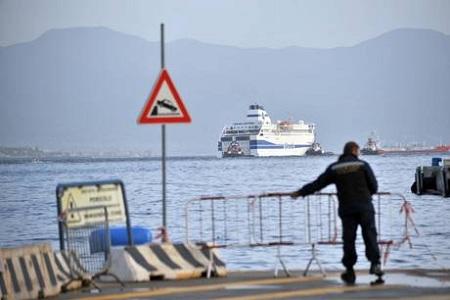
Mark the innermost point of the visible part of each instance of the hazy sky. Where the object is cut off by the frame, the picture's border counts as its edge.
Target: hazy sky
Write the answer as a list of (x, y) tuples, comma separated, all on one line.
[(245, 23)]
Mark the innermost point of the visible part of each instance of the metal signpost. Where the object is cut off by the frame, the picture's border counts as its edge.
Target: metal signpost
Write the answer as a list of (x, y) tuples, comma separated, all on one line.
[(164, 106)]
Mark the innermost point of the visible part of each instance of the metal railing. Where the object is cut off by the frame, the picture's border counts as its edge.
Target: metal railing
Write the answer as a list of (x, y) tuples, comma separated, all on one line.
[(274, 219), (88, 243)]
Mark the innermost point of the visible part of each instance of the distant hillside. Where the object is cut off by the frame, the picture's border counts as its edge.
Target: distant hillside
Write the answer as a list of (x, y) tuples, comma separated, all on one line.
[(83, 88)]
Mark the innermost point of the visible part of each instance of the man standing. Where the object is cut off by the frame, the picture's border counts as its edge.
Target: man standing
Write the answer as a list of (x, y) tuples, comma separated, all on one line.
[(355, 184)]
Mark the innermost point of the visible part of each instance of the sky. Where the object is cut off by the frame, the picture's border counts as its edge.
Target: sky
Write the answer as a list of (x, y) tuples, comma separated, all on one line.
[(242, 23)]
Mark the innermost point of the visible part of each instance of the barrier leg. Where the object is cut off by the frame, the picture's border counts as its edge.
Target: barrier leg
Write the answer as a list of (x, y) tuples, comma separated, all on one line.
[(76, 272), (280, 260), (107, 273), (210, 264), (314, 258)]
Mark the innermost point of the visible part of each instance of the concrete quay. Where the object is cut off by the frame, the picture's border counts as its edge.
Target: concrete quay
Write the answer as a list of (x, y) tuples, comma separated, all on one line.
[(408, 284)]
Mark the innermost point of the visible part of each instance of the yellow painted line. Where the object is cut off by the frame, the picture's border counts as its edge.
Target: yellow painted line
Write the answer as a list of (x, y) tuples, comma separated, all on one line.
[(201, 288), (306, 292), (423, 297)]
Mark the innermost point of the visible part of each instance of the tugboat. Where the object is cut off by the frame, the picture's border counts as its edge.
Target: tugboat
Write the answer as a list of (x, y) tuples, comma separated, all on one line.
[(317, 150), (234, 150)]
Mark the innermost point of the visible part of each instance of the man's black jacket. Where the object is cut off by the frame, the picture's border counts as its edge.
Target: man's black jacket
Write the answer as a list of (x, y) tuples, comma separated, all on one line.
[(355, 184)]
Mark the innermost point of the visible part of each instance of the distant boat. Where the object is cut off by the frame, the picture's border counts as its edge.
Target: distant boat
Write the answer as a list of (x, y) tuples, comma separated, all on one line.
[(372, 148), (416, 149), (258, 136), (233, 150), (317, 150)]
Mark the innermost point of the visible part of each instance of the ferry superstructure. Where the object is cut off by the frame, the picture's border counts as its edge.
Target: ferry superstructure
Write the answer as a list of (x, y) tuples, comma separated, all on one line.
[(258, 136)]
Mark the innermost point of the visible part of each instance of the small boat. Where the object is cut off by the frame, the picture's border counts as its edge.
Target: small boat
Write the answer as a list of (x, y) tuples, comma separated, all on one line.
[(233, 150), (371, 147), (317, 150)]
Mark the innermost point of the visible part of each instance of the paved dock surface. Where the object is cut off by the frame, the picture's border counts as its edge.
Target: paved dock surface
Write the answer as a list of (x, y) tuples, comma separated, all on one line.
[(400, 284)]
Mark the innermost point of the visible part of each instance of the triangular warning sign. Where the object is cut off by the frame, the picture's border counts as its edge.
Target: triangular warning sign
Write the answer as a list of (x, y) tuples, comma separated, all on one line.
[(73, 217), (164, 104)]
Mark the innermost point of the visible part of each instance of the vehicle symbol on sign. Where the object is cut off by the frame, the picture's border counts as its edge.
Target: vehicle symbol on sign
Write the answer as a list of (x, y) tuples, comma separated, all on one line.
[(167, 104), (164, 104)]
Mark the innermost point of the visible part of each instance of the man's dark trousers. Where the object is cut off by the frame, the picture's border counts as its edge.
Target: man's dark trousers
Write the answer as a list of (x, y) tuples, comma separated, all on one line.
[(350, 222)]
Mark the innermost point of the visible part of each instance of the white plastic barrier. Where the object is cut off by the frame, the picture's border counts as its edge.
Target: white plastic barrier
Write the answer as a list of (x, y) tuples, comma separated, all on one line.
[(165, 261), (28, 272), (70, 273)]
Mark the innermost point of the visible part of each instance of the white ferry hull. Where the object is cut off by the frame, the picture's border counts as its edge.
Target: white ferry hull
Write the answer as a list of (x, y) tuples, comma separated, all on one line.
[(264, 147), (276, 147), (280, 152)]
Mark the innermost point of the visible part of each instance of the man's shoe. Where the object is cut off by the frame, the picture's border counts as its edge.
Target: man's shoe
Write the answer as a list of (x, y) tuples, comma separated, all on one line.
[(375, 269), (348, 277)]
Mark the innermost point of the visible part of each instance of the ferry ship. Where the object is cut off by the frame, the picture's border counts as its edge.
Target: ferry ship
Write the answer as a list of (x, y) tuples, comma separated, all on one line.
[(258, 136)]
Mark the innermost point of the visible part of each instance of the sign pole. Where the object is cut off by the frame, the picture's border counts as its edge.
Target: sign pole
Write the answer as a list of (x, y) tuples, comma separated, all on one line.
[(163, 145), (164, 106)]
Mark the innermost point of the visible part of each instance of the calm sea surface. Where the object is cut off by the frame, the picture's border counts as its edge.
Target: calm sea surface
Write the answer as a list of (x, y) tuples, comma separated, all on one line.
[(28, 202)]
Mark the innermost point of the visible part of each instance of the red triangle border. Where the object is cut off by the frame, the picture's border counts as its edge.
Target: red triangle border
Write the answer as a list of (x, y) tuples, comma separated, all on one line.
[(145, 119)]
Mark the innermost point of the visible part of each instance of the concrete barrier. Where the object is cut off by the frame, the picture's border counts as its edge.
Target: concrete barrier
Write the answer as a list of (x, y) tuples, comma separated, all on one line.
[(164, 261), (126, 267), (208, 256), (28, 272), (3, 290), (70, 274), (182, 267)]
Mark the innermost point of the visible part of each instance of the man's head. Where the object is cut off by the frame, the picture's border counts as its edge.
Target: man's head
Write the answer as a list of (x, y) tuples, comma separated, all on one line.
[(351, 148)]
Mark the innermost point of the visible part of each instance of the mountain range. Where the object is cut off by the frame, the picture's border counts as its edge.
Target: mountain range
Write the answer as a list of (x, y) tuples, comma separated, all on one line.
[(83, 89)]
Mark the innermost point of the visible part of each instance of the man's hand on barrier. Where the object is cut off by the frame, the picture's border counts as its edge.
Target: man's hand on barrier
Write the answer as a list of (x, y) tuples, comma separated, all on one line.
[(296, 194)]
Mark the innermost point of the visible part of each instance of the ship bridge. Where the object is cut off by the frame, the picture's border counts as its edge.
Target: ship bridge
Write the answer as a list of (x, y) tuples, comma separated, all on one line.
[(257, 114)]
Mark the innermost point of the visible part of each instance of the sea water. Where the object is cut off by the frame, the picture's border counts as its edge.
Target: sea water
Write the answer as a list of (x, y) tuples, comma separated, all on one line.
[(28, 211)]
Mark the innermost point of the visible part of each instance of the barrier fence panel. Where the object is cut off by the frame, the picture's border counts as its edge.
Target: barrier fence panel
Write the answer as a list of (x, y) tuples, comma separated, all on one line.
[(88, 243), (275, 219), (85, 211), (261, 220), (110, 193)]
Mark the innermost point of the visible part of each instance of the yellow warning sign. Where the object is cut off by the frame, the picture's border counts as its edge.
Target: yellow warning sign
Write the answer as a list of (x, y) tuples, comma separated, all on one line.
[(78, 204)]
